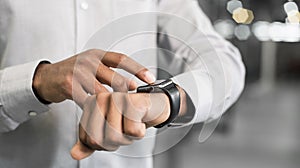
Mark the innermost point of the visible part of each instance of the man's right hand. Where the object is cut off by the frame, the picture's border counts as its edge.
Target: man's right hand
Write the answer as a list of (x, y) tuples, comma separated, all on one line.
[(83, 74)]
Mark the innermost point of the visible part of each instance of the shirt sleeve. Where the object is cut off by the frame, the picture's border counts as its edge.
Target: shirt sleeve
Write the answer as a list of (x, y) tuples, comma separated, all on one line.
[(205, 65), (17, 99)]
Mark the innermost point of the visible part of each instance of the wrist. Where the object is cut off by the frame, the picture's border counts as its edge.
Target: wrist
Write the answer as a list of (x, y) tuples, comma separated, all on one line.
[(163, 117), (37, 82), (165, 110), (170, 90), (159, 109)]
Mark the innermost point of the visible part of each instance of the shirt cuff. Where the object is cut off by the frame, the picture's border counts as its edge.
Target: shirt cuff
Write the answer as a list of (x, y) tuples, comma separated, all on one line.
[(198, 88), (17, 97)]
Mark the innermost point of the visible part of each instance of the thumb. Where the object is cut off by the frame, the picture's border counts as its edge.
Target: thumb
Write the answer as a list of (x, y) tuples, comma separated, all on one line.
[(80, 151)]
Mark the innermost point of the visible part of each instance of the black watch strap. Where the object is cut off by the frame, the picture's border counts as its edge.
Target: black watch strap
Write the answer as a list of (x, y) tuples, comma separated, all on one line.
[(171, 90)]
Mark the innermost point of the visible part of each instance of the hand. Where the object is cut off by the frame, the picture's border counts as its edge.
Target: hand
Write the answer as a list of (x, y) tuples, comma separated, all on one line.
[(85, 73), (111, 120)]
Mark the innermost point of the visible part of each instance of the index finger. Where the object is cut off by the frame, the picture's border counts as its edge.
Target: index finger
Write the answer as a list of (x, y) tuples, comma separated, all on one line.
[(117, 60)]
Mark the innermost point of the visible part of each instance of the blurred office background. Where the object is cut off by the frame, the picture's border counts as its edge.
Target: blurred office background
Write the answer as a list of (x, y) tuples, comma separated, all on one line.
[(262, 129)]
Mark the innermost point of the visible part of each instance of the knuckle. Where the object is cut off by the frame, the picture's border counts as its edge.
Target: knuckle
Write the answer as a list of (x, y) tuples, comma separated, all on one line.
[(121, 58), (80, 60), (100, 96), (93, 51), (112, 149), (103, 96), (94, 144), (98, 87), (113, 139), (109, 146), (101, 69), (68, 85), (119, 84), (137, 133)]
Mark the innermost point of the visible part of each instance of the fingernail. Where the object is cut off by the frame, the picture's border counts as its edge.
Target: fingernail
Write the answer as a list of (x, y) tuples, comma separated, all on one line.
[(150, 77)]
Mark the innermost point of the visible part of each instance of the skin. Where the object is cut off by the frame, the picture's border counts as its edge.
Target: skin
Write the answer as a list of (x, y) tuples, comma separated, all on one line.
[(109, 120), (85, 73)]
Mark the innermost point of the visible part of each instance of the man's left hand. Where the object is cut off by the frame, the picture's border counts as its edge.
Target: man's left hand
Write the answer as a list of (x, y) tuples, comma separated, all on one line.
[(111, 120)]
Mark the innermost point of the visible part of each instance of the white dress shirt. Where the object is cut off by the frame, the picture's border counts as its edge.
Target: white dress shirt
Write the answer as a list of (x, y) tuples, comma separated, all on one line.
[(172, 35)]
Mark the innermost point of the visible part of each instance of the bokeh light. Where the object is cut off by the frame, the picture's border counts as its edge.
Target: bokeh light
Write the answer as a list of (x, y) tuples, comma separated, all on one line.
[(290, 7), (261, 30), (293, 17), (292, 33), (277, 31), (225, 28), (242, 32), (243, 16), (233, 5)]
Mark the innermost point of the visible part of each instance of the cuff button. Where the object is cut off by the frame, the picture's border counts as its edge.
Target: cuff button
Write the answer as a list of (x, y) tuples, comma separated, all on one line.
[(32, 113)]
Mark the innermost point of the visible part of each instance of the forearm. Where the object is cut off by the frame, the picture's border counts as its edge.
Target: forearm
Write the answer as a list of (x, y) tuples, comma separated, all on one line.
[(211, 95), (206, 66)]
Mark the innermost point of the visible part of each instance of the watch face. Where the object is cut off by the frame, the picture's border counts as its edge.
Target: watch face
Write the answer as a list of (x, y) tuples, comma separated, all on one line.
[(158, 81), (156, 87), (165, 83)]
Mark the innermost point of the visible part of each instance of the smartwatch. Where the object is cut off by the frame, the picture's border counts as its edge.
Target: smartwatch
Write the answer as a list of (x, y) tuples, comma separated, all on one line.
[(170, 89)]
